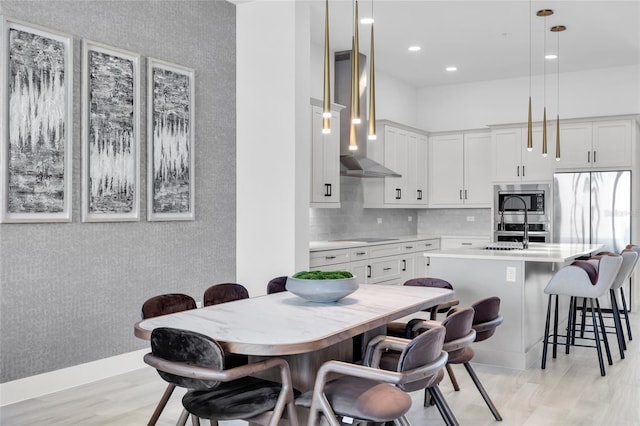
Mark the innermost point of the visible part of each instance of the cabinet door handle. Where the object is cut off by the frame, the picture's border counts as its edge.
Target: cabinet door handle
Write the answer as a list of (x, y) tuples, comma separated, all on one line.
[(361, 253), (465, 194), (588, 156), (386, 269), (408, 247), (594, 156), (398, 193), (461, 194), (404, 265), (523, 171), (428, 244), (518, 171), (419, 194), (329, 257), (368, 271), (327, 190), (467, 244)]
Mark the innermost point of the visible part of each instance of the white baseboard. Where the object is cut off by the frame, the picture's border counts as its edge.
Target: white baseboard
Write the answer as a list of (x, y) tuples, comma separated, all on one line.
[(54, 381)]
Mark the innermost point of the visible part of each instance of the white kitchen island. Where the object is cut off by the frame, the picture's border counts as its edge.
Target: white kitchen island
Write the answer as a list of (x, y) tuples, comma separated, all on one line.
[(518, 277)]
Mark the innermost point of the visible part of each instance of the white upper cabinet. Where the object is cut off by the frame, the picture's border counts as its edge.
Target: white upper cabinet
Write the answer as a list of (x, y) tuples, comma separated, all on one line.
[(596, 144), (325, 159), (405, 151), (512, 162), (459, 170)]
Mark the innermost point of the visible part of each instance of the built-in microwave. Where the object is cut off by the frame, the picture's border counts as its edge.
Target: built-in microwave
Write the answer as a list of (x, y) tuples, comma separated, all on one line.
[(510, 202)]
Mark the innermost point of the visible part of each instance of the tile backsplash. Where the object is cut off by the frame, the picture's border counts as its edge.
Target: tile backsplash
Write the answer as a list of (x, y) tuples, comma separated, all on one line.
[(352, 220)]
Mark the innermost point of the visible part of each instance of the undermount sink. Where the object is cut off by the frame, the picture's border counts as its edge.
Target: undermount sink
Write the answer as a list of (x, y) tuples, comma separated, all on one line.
[(366, 240)]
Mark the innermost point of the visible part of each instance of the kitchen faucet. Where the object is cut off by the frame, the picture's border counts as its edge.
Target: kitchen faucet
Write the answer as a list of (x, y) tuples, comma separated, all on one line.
[(525, 237)]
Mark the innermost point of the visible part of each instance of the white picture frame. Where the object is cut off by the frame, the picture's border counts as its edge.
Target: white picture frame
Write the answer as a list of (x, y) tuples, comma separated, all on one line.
[(110, 133), (36, 88), (170, 141)]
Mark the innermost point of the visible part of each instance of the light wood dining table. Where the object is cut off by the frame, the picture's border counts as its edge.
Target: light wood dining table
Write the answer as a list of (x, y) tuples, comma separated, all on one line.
[(305, 333)]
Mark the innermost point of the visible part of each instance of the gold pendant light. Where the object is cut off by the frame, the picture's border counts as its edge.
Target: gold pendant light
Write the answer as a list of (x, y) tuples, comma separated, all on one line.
[(372, 90), (326, 99), (558, 29), (544, 13), (355, 69), (529, 119)]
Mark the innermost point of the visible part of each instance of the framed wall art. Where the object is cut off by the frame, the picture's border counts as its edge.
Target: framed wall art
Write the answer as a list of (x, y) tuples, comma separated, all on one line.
[(36, 122), (170, 133), (110, 134)]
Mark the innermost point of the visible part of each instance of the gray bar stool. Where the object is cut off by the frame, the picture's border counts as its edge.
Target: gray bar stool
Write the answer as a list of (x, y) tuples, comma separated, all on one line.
[(588, 279)]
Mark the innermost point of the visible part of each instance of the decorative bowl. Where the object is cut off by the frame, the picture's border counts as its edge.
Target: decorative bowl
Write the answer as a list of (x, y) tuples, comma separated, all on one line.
[(322, 291)]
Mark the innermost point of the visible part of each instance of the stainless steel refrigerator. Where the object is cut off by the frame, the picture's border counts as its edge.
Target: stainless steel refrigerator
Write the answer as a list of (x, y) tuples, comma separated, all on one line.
[(593, 207)]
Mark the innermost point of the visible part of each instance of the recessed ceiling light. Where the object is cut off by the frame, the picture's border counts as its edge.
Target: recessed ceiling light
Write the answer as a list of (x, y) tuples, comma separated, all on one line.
[(367, 21), (452, 69), (414, 48), (551, 56)]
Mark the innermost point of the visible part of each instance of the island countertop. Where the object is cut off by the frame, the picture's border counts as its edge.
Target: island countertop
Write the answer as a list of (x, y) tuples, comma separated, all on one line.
[(537, 252)]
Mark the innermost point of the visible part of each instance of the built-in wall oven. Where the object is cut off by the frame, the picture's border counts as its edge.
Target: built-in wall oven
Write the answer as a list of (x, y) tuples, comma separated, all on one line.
[(509, 204)]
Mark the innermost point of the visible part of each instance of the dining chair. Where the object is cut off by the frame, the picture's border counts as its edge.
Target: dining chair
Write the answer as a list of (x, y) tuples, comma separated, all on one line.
[(277, 285), (162, 305), (485, 319), (370, 393), (196, 362), (399, 328), (223, 293)]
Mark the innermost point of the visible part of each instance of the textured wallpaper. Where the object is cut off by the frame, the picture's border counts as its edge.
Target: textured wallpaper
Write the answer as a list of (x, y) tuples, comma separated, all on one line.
[(71, 292)]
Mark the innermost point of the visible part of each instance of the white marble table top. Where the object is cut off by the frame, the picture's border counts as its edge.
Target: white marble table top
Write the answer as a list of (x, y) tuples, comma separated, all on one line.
[(284, 324), (537, 252)]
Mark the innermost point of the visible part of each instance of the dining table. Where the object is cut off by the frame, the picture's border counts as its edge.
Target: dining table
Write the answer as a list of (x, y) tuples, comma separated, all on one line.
[(305, 333)]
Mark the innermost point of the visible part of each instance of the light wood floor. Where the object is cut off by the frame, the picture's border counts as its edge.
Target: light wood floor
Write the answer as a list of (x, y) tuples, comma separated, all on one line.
[(569, 392)]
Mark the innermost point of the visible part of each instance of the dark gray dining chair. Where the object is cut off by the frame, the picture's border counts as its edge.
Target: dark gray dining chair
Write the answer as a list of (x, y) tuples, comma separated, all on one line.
[(165, 304), (196, 362)]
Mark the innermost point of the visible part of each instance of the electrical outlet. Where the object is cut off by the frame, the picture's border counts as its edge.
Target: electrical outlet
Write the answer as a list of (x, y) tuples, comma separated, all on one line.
[(379, 220), (198, 304), (511, 274), (410, 218), (471, 218)]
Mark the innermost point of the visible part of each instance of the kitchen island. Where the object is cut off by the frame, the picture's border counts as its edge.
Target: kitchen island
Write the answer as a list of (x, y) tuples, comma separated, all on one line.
[(518, 277)]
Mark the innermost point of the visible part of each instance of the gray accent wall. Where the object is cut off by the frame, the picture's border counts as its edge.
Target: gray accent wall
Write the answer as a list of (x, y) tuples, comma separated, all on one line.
[(70, 293)]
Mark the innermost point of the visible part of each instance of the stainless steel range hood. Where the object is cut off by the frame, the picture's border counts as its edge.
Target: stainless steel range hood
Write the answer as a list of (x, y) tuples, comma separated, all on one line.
[(354, 163)]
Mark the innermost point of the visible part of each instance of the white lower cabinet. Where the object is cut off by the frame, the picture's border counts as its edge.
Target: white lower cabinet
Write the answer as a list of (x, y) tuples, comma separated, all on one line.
[(392, 263), (466, 241)]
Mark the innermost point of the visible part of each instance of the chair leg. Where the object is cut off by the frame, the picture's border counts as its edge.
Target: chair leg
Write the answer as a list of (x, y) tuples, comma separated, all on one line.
[(195, 421), (597, 339), (444, 409), (571, 325), (545, 339), (452, 377), (161, 404), (622, 346), (626, 313), (555, 329), (483, 392), (182, 420), (584, 317), (604, 333)]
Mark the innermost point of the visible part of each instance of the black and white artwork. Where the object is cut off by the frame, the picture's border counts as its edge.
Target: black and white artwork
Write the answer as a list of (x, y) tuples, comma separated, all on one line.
[(110, 134), (170, 132), (36, 159)]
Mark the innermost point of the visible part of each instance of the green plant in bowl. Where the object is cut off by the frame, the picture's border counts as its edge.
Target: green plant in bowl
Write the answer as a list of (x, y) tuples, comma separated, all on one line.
[(322, 286)]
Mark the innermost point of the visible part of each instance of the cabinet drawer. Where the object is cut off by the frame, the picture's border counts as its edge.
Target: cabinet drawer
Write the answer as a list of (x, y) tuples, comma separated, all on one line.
[(427, 245), (386, 250), (328, 257), (359, 253), (384, 270)]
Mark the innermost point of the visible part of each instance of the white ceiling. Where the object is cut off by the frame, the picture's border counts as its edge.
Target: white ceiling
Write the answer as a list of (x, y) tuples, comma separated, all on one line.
[(486, 40)]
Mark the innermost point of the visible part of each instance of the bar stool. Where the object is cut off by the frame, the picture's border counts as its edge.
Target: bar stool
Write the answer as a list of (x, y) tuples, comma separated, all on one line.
[(589, 279), (625, 310)]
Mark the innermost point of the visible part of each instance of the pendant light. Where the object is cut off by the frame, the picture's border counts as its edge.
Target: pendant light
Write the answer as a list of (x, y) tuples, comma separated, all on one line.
[(372, 89), (558, 29), (529, 119), (326, 99), (355, 69), (544, 13)]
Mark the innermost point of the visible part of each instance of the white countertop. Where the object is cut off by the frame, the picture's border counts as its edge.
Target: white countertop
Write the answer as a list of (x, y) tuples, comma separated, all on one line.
[(342, 244), (537, 252)]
